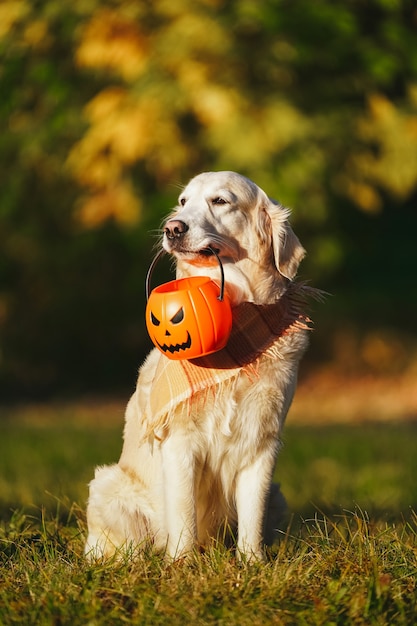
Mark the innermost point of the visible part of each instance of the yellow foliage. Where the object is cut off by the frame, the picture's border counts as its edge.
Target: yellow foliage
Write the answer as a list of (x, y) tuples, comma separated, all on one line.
[(393, 166), (412, 93), (213, 104), (106, 103), (122, 131), (92, 168), (170, 9), (181, 58), (114, 202), (364, 196), (188, 72), (283, 124), (249, 137), (12, 12), (188, 33), (112, 42), (36, 34), (381, 109), (390, 161), (119, 135)]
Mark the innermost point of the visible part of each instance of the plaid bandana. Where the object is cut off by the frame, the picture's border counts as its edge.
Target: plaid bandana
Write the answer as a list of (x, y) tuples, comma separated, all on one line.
[(256, 330)]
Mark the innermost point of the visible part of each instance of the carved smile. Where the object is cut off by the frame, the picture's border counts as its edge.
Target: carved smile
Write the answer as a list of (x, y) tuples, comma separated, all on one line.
[(177, 347)]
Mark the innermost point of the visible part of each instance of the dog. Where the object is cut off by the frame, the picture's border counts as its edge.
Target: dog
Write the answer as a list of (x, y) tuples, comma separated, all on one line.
[(207, 467)]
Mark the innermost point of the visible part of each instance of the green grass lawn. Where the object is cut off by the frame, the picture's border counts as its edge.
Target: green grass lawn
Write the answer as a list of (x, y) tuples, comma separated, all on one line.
[(348, 555)]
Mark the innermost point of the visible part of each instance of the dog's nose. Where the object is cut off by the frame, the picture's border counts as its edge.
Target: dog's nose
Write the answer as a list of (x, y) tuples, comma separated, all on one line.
[(175, 229)]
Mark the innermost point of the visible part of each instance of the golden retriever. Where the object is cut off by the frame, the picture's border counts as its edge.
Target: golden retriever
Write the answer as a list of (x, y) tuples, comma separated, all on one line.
[(209, 467)]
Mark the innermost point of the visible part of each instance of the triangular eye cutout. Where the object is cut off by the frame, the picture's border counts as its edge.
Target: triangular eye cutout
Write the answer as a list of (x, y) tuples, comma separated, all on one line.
[(155, 321), (178, 317)]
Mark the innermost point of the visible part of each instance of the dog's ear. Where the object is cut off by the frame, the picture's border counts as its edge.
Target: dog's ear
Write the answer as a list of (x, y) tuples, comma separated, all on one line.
[(287, 249)]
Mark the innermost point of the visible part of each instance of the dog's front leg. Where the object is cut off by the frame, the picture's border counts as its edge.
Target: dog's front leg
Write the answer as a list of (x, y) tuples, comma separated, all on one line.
[(180, 511), (252, 489)]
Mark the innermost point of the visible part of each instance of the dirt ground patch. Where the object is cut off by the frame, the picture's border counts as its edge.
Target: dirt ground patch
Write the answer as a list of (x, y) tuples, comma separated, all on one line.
[(321, 398), (332, 398)]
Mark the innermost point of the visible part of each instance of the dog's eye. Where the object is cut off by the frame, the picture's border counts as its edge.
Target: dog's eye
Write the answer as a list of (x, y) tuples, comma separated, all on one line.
[(178, 317), (219, 200), (182, 201)]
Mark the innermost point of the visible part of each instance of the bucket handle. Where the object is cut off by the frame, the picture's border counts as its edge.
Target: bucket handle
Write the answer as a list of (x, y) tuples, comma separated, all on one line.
[(161, 253)]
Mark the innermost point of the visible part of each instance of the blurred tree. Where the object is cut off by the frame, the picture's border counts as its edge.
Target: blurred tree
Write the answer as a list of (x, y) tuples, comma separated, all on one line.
[(63, 291), (314, 101), (108, 105)]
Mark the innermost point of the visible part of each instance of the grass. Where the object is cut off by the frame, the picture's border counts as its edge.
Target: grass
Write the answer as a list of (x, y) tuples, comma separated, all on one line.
[(348, 555)]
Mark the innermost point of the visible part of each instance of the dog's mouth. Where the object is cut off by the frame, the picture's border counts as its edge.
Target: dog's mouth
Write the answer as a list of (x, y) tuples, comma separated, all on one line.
[(195, 256), (205, 256), (209, 251)]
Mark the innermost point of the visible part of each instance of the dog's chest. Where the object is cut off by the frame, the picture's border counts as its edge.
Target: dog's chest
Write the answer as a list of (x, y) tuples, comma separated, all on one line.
[(231, 433)]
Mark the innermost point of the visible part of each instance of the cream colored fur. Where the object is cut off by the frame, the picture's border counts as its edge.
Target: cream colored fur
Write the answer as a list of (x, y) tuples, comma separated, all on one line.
[(213, 466)]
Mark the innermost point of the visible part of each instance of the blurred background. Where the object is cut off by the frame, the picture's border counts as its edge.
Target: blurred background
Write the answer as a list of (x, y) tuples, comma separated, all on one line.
[(108, 106)]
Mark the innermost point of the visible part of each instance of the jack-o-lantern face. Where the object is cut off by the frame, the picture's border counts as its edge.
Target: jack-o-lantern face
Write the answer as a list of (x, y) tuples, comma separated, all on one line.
[(185, 319), (173, 323)]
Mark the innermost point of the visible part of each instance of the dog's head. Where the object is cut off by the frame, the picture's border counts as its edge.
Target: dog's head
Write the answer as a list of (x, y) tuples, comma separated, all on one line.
[(228, 213)]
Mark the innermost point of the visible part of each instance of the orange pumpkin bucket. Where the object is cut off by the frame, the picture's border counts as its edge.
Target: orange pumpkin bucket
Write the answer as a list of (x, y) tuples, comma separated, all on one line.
[(188, 317)]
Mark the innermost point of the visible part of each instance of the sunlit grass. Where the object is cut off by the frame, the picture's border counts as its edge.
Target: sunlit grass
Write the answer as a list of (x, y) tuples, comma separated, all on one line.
[(349, 570), (50, 453), (348, 554), (372, 465)]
